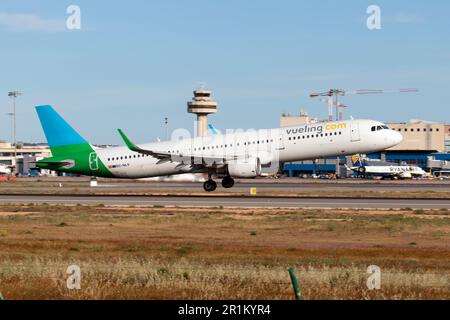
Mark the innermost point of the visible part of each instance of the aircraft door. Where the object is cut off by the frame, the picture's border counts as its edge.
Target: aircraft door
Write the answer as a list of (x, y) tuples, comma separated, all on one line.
[(246, 147), (280, 142), (354, 132)]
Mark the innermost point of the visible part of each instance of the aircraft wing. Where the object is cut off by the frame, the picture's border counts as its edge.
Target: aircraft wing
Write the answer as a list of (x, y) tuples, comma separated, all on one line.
[(405, 175), (187, 159), (350, 168)]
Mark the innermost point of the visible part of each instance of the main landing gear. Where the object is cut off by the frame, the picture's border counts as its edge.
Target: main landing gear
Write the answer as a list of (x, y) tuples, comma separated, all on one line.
[(228, 182), (210, 185)]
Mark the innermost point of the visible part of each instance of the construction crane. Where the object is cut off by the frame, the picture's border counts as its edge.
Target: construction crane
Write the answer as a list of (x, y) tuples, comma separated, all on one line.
[(334, 94), (331, 103)]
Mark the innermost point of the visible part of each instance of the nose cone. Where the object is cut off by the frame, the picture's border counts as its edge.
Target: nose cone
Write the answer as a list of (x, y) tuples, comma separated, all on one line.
[(397, 137), (393, 138)]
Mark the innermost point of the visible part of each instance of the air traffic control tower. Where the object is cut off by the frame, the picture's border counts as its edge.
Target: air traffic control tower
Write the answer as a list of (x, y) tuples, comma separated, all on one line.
[(202, 105)]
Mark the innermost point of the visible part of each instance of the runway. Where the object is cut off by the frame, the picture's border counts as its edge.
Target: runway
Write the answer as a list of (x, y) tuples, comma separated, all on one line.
[(242, 185), (229, 201)]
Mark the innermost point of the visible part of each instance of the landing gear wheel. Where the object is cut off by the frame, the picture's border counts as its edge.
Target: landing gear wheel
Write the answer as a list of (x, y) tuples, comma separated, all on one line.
[(227, 182), (210, 186)]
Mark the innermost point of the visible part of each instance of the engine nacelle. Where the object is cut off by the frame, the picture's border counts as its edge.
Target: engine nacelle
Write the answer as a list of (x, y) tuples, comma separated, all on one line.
[(245, 168)]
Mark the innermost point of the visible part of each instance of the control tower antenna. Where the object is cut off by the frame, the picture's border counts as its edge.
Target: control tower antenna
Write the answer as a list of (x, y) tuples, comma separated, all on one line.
[(202, 105)]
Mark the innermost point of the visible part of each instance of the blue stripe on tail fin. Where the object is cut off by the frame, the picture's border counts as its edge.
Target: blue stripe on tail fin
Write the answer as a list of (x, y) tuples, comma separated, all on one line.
[(57, 131)]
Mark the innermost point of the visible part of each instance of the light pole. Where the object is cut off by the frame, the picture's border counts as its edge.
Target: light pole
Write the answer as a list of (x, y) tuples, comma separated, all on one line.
[(13, 95), (166, 122)]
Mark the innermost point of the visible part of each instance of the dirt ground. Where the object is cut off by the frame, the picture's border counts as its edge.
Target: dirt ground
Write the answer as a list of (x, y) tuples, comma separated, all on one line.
[(217, 253)]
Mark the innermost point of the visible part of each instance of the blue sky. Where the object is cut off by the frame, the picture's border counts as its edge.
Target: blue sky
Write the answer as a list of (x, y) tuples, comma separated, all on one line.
[(135, 62)]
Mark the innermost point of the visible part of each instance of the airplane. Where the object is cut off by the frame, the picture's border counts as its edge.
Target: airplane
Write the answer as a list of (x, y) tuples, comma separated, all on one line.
[(228, 156), (385, 170)]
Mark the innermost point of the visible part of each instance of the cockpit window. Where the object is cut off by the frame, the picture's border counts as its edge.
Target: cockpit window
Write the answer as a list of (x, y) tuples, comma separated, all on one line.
[(378, 128)]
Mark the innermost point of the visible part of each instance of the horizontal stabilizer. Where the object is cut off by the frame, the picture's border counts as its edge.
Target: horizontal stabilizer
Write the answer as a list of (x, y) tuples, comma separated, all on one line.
[(52, 164)]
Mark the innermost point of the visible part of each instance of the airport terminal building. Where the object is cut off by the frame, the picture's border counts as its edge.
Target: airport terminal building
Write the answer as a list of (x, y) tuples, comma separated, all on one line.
[(23, 156)]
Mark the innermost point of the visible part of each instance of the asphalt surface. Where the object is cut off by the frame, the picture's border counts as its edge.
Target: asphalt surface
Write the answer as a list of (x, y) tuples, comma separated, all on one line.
[(266, 185), (228, 201)]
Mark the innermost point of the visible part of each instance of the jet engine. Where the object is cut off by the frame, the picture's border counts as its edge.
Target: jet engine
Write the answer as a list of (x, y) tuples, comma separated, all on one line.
[(245, 168)]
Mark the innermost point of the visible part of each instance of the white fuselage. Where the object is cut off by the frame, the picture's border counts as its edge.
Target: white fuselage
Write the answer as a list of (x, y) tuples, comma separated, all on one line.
[(303, 142), (394, 171)]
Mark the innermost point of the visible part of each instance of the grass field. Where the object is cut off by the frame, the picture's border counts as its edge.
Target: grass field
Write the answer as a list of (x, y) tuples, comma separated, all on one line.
[(182, 253)]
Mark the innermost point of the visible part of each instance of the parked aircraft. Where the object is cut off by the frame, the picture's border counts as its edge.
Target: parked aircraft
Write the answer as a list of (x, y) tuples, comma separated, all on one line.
[(386, 170)]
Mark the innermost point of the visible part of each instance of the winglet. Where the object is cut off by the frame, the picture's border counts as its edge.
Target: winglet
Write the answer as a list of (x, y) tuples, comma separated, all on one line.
[(135, 148), (128, 142)]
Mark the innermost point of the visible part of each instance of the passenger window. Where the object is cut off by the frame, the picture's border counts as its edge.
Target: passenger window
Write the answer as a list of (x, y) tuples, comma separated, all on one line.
[(374, 128)]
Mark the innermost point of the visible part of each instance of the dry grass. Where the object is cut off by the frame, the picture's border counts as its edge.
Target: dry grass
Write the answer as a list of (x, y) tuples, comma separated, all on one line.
[(199, 192), (161, 253)]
